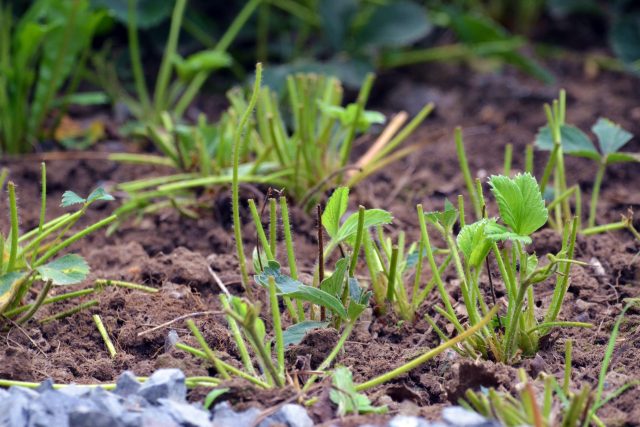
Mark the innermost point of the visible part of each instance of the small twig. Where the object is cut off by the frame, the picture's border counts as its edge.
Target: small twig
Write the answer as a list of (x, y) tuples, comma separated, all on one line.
[(177, 319), (323, 313), (326, 179), (387, 134), (216, 278)]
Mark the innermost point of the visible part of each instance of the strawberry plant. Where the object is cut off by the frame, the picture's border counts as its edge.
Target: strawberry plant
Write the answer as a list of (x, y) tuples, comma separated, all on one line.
[(34, 257), (522, 211)]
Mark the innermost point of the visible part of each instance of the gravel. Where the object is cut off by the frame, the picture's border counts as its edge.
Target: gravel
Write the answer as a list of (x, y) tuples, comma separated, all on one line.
[(162, 402)]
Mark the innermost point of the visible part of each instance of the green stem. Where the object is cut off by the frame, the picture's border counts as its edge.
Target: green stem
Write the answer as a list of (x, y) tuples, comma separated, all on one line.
[(391, 278), (273, 226), (466, 173), (407, 367), (69, 312), (65, 243), (358, 242), (277, 326), (345, 151), (237, 336), (37, 304), (105, 335), (237, 24), (262, 236), (620, 225), (331, 356), (127, 285), (508, 158), (57, 298), (211, 356), (595, 195), (43, 209), (167, 59), (136, 59), (13, 215), (235, 187)]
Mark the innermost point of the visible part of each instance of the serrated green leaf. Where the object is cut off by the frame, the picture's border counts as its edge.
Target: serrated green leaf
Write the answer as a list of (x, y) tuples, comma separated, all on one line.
[(295, 333), (349, 401), (333, 285), (347, 115), (474, 242), (622, 157), (99, 194), (9, 283), (70, 198), (574, 142), (68, 270), (611, 136), (499, 233), (335, 209), (372, 218), (520, 203), (287, 286), (446, 218)]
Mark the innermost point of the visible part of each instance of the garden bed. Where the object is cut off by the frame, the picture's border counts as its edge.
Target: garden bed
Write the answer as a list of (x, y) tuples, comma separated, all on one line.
[(172, 253)]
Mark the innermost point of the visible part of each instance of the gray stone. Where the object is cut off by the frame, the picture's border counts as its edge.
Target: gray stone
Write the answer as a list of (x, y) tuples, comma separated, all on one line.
[(22, 391), (127, 384), (290, 415), (152, 417), (185, 414), (14, 410), (225, 416), (88, 414), (76, 390), (408, 421), (457, 416), (45, 385), (165, 384), (51, 408), (106, 402)]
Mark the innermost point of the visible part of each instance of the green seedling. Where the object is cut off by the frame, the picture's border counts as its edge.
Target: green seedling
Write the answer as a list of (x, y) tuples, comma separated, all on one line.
[(522, 212), (348, 400), (304, 146), (558, 405), (179, 79), (33, 257), (559, 137), (43, 53)]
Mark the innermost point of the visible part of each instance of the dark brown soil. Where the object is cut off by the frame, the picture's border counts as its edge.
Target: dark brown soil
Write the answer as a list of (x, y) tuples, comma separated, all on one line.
[(171, 253)]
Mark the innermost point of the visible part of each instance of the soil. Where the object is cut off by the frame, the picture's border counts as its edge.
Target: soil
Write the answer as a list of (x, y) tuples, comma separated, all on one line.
[(173, 253)]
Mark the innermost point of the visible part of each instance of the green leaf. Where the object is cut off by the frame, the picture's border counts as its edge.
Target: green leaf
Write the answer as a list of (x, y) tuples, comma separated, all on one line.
[(574, 142), (372, 218), (295, 333), (99, 194), (149, 12), (9, 283), (347, 115), (395, 24), (474, 243), (335, 209), (213, 395), (205, 60), (70, 198), (337, 16), (292, 288), (625, 39), (358, 299), (349, 401), (446, 218), (611, 136), (68, 270), (622, 157), (333, 285), (498, 233), (520, 203)]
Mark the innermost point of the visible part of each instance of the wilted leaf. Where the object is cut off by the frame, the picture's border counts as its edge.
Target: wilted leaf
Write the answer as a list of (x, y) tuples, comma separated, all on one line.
[(9, 283), (68, 270)]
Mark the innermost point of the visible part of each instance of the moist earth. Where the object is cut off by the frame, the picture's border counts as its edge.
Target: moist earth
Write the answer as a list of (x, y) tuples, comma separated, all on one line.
[(173, 254)]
